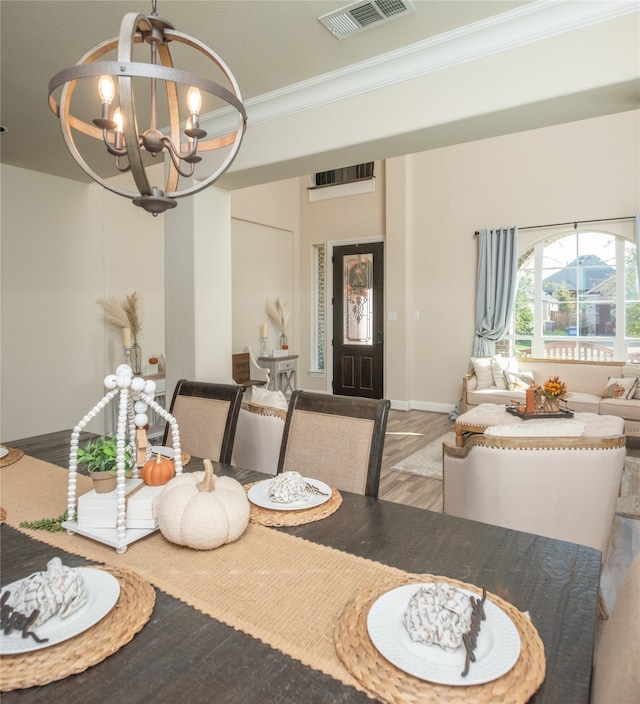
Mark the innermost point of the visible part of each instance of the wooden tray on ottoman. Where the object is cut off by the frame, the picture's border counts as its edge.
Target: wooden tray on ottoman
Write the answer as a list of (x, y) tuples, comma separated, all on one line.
[(562, 413)]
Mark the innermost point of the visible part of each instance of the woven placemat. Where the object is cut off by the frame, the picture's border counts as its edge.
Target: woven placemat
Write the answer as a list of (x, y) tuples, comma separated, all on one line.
[(269, 517), (132, 610), (12, 456), (389, 684)]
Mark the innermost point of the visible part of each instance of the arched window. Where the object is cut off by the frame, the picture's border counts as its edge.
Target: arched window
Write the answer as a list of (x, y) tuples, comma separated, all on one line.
[(577, 298)]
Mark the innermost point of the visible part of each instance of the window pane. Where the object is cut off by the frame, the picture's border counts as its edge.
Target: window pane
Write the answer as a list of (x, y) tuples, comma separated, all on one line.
[(522, 348), (559, 253), (358, 299), (523, 321), (631, 272), (632, 318)]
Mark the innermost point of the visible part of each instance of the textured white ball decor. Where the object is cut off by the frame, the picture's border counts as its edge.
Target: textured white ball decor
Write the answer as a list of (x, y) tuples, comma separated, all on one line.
[(110, 382), (137, 384)]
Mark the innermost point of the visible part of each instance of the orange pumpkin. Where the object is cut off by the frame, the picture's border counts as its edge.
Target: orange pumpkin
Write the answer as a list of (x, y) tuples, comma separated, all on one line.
[(157, 471)]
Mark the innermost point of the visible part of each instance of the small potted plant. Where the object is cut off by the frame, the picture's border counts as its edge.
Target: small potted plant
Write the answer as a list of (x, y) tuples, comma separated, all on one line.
[(99, 456)]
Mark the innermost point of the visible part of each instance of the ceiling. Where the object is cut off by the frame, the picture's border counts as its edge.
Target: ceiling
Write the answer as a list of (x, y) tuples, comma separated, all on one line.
[(268, 44)]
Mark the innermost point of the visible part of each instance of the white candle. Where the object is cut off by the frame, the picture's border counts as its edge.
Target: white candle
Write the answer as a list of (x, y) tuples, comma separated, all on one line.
[(263, 330), (126, 337)]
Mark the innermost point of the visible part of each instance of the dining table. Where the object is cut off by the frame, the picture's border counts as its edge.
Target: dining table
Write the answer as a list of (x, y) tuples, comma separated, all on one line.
[(184, 654)]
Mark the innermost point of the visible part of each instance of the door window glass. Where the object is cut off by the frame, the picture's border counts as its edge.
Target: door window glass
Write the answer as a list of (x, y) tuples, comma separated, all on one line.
[(358, 299)]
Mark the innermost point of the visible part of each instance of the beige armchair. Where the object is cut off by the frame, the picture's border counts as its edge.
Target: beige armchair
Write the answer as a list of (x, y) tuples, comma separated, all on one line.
[(258, 437), (557, 487)]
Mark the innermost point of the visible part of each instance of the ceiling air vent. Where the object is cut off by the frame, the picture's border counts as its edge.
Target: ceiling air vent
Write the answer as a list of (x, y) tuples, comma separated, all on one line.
[(363, 15)]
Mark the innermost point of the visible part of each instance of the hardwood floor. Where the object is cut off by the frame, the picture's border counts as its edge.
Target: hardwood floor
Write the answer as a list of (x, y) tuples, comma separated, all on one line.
[(408, 431)]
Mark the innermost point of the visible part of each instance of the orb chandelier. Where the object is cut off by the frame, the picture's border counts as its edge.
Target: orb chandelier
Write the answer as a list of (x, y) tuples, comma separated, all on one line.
[(113, 118)]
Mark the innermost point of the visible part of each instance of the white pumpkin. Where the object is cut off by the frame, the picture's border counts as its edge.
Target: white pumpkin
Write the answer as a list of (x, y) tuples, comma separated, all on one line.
[(203, 511)]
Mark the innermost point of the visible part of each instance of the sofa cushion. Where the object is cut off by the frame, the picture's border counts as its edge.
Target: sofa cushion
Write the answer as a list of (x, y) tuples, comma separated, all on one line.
[(620, 387), (519, 381), (628, 408), (482, 368), (587, 377), (502, 396), (581, 402)]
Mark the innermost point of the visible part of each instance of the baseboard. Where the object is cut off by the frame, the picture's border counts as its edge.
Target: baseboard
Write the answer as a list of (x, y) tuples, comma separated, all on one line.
[(422, 406)]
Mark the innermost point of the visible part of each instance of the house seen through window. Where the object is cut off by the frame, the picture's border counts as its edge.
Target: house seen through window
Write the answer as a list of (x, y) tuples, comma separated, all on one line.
[(577, 298)]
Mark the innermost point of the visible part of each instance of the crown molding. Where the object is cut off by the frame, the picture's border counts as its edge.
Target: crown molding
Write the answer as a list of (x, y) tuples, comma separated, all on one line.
[(524, 25)]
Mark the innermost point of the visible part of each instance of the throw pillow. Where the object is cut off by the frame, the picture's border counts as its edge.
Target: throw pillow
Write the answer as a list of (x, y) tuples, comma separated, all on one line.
[(482, 368), (630, 371), (519, 381), (620, 388), (500, 365)]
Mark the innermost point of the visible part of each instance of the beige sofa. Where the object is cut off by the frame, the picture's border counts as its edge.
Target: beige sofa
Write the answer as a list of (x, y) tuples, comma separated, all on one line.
[(586, 382)]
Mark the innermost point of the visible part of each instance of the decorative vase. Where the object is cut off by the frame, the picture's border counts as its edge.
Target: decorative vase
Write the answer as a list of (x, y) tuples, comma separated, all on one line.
[(284, 343), (103, 482), (551, 405), (136, 359)]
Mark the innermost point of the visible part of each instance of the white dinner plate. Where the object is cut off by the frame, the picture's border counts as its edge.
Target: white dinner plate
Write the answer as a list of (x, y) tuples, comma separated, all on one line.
[(497, 649), (259, 495), (3, 452), (103, 590)]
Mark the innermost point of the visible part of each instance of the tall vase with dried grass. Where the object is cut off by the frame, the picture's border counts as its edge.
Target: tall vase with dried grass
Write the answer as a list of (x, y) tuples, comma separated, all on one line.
[(126, 316), (279, 314)]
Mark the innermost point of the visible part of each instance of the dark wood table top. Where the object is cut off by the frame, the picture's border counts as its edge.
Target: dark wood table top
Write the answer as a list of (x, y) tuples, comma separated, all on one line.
[(182, 653)]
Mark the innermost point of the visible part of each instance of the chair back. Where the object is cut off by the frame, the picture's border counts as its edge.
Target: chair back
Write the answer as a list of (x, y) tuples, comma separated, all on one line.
[(258, 437), (558, 487), (337, 439), (616, 675), (207, 416)]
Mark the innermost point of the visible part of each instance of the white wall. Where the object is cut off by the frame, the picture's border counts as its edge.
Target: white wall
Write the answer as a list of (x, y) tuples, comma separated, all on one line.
[(265, 229), (64, 246), (262, 269)]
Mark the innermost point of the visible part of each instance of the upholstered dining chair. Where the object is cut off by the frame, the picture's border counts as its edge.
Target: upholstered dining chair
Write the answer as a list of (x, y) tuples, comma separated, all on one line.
[(207, 416), (337, 439), (616, 675)]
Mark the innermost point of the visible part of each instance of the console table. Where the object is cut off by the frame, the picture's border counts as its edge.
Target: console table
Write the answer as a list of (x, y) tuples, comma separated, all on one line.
[(283, 373)]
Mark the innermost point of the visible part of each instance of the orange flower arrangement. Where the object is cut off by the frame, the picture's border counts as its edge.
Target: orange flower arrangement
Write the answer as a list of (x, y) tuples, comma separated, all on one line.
[(554, 388)]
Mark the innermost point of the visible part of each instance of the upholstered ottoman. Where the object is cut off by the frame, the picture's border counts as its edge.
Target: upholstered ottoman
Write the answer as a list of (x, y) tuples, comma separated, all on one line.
[(495, 416)]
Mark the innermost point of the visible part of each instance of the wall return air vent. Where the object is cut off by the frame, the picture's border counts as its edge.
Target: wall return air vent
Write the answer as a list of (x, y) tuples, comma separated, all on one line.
[(364, 15)]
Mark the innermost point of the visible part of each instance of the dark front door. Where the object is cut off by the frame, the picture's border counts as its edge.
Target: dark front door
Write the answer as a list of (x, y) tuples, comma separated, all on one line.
[(358, 320)]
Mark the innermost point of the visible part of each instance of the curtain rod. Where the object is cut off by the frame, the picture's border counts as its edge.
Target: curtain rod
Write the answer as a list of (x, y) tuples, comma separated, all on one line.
[(575, 223)]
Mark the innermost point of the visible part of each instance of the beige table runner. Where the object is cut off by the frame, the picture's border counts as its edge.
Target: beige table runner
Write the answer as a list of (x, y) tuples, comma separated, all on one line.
[(283, 590)]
